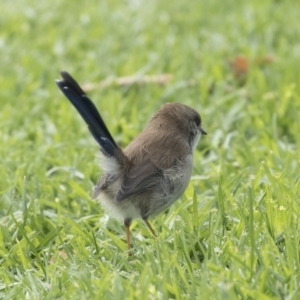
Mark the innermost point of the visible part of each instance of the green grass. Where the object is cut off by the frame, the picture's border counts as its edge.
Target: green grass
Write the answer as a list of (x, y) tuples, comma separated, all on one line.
[(235, 232)]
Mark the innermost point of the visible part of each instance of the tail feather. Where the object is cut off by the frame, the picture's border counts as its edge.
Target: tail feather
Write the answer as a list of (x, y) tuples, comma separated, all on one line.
[(88, 111)]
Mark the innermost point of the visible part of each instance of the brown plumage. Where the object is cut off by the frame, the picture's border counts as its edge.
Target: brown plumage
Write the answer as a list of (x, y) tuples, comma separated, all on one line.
[(153, 170)]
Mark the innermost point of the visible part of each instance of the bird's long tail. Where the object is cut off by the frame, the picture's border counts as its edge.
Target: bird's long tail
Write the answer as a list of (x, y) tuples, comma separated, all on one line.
[(89, 113)]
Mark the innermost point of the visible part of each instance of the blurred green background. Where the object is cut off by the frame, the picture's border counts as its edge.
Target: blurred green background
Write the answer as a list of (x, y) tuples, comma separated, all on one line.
[(235, 232)]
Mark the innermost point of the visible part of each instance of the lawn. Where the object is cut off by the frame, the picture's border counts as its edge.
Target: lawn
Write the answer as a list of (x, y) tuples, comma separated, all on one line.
[(234, 234)]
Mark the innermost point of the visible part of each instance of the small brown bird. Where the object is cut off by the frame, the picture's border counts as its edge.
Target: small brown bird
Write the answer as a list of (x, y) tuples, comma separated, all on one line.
[(153, 171)]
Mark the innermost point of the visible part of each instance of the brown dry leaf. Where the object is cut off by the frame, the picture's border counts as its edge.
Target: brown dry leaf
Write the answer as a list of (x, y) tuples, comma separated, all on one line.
[(239, 67), (63, 255)]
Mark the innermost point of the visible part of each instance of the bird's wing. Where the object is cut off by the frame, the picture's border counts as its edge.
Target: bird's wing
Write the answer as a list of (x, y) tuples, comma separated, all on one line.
[(139, 178)]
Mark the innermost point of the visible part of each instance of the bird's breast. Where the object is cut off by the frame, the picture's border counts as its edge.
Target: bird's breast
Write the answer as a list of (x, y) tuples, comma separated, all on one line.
[(176, 178), (173, 184)]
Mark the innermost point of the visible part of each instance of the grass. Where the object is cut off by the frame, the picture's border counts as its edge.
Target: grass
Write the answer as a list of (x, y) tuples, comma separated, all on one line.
[(235, 232)]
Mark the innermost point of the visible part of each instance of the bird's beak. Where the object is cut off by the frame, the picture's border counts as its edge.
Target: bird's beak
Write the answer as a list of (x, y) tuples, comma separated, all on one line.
[(203, 131)]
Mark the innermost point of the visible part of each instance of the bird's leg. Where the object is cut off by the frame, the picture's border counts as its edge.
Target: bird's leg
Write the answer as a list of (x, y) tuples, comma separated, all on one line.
[(127, 223), (128, 237), (150, 227)]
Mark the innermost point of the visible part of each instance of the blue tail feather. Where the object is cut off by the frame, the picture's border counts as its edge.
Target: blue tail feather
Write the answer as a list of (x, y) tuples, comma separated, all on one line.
[(88, 111)]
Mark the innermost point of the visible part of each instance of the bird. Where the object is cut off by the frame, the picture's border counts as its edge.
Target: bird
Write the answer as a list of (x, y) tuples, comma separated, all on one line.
[(153, 171)]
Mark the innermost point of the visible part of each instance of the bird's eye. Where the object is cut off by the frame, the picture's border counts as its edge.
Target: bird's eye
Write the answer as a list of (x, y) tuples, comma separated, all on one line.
[(197, 120)]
